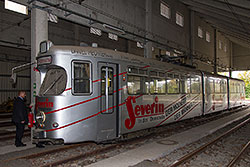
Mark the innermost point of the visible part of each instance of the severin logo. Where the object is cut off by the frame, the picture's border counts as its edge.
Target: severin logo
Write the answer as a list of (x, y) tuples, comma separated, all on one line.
[(45, 104), (141, 111)]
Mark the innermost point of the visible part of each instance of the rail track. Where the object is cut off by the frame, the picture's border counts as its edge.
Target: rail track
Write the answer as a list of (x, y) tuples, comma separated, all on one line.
[(11, 135), (212, 142), (5, 115), (6, 124), (100, 149), (239, 155)]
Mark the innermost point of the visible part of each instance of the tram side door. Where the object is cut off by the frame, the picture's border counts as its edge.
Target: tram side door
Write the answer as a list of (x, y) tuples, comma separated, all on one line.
[(107, 122)]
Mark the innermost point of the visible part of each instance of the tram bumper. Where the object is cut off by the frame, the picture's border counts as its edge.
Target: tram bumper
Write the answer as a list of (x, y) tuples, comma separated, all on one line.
[(39, 136)]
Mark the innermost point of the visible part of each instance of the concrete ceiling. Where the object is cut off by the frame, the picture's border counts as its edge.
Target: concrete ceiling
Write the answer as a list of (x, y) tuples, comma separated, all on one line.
[(230, 17)]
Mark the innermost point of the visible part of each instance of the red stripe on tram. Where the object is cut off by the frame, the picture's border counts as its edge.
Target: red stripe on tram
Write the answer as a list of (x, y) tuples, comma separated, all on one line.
[(73, 105), (67, 89), (91, 116)]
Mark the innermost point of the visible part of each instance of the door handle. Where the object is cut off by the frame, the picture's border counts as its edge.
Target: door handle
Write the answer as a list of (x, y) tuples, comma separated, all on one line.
[(106, 89)]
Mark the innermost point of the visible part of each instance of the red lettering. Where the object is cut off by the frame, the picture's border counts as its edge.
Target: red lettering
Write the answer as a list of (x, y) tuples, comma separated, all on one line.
[(45, 104), (130, 122), (161, 108), (156, 108), (148, 108), (142, 110), (152, 108), (137, 110)]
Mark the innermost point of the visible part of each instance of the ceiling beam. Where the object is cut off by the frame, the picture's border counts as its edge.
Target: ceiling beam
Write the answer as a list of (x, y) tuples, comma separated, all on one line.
[(244, 4), (220, 5), (224, 29), (221, 18), (214, 11), (227, 24)]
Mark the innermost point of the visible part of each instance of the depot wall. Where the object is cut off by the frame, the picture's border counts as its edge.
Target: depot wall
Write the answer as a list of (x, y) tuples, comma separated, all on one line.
[(15, 36)]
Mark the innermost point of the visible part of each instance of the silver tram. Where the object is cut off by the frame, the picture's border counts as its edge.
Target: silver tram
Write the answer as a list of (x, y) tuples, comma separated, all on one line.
[(96, 94)]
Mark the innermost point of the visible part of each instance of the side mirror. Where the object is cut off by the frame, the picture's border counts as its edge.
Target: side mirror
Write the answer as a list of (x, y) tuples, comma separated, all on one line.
[(13, 78)]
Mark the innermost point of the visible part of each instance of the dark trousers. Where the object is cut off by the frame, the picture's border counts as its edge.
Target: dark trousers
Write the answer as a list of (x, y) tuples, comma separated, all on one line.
[(19, 133)]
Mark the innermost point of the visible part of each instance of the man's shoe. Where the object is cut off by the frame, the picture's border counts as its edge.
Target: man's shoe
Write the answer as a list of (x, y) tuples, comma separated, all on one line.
[(23, 144), (39, 145)]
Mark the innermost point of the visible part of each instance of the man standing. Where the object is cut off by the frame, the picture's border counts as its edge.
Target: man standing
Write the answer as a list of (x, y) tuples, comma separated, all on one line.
[(20, 117)]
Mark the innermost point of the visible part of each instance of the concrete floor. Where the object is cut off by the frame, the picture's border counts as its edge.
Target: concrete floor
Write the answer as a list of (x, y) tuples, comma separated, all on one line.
[(165, 146)]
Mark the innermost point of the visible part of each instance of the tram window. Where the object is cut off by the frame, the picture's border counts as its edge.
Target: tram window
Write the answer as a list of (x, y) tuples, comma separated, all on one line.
[(54, 82), (110, 74), (238, 88), (195, 85), (230, 87), (81, 78), (186, 85), (233, 87), (173, 86), (146, 85), (183, 86), (243, 88), (217, 87), (158, 86), (134, 85), (211, 85), (223, 87)]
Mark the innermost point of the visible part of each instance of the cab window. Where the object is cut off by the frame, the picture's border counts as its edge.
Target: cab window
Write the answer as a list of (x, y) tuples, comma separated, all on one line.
[(81, 77)]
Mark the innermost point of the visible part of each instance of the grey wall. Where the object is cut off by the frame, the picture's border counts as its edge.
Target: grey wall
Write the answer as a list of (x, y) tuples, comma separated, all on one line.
[(241, 57), (9, 58), (205, 50), (129, 15)]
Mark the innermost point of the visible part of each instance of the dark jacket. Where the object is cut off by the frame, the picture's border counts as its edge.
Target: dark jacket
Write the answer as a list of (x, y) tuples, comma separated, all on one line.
[(20, 111)]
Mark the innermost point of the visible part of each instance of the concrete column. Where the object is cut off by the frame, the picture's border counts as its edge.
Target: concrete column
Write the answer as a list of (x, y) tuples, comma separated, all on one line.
[(39, 33), (215, 51), (231, 59), (77, 35), (191, 37), (148, 24)]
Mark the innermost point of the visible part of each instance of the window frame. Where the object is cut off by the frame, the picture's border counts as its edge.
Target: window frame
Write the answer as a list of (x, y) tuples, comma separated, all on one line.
[(191, 82), (90, 78), (141, 88), (171, 78), (181, 24), (51, 68), (200, 32), (157, 78), (112, 81), (217, 84), (165, 5), (208, 37)]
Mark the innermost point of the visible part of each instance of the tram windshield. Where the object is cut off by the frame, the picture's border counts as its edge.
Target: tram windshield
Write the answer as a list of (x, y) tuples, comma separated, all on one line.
[(54, 82)]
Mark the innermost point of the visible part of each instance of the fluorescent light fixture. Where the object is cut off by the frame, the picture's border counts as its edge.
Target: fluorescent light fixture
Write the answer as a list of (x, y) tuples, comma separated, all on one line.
[(16, 7), (113, 28)]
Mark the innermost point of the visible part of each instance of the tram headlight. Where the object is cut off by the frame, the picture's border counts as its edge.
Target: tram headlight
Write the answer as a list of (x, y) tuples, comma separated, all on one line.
[(40, 117), (55, 124)]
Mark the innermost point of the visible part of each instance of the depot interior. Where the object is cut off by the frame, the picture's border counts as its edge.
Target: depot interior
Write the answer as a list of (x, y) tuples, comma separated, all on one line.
[(212, 36)]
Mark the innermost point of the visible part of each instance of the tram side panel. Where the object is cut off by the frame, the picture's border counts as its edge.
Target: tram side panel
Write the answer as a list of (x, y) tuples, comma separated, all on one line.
[(65, 115), (146, 110), (236, 93), (216, 98)]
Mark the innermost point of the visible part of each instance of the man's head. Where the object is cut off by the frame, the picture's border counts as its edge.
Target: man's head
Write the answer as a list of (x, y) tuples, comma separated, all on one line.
[(22, 94)]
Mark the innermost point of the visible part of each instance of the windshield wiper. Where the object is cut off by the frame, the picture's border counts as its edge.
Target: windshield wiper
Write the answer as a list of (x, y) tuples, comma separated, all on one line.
[(53, 83)]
